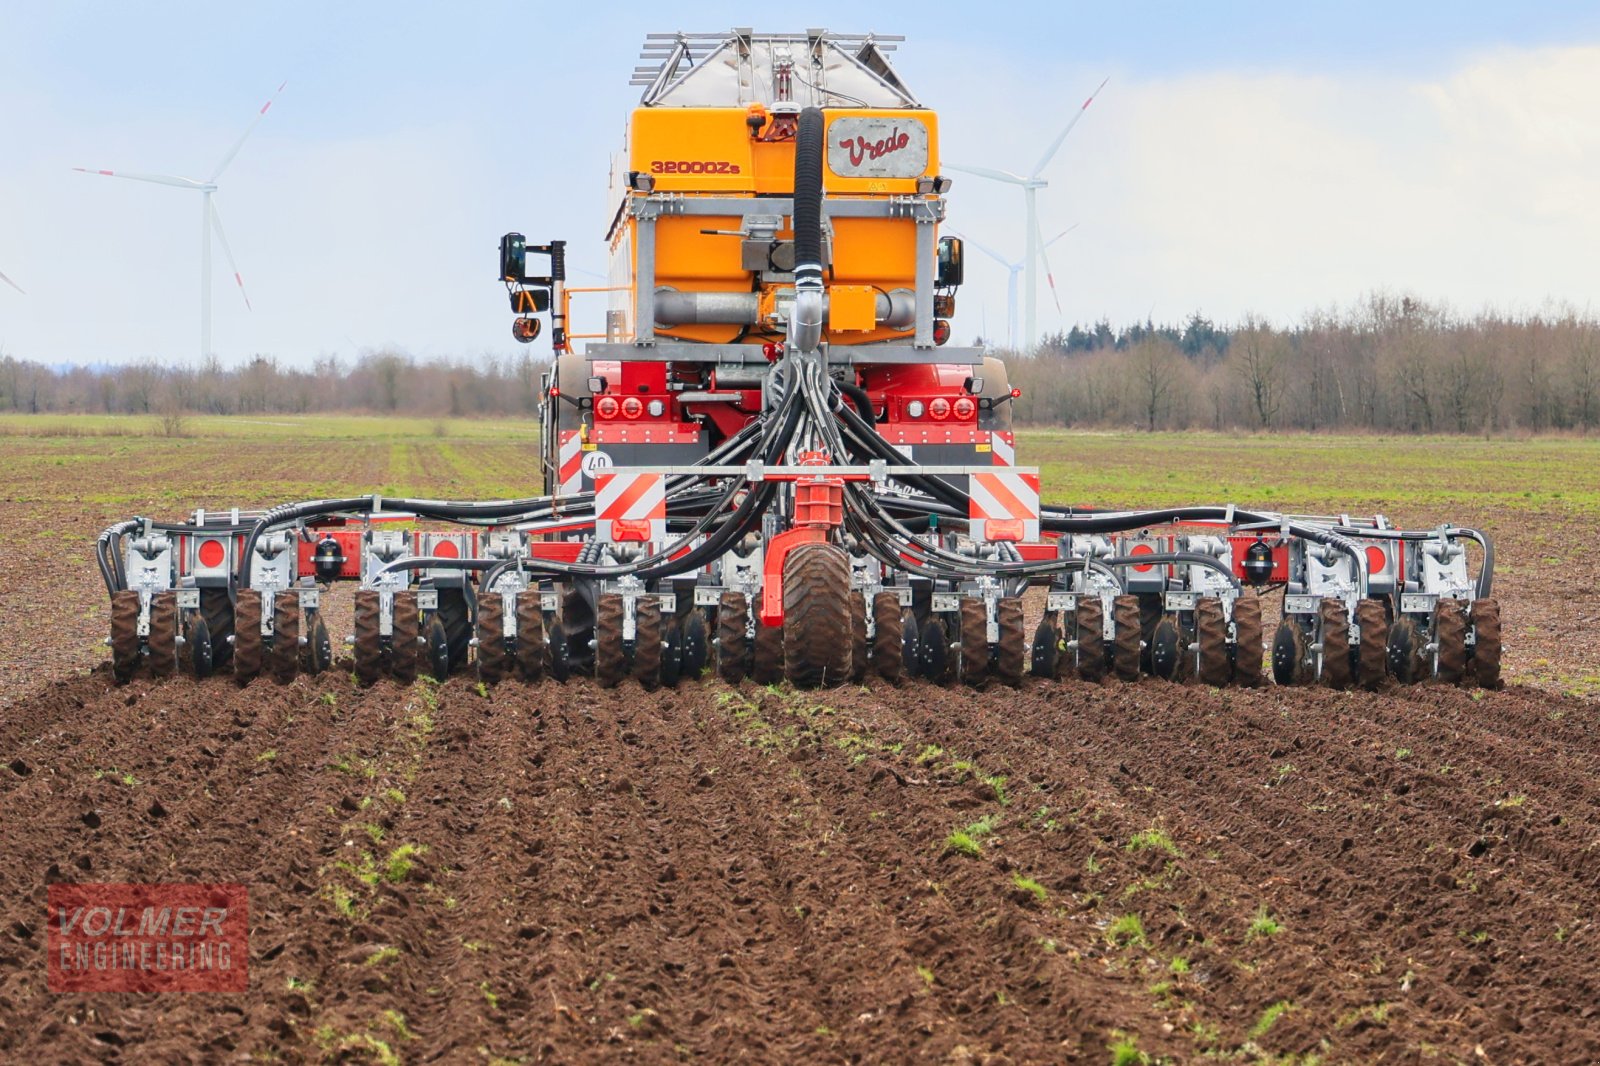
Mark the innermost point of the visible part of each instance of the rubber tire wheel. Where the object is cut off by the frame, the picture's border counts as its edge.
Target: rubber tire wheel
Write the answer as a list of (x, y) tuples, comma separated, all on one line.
[(163, 640), (933, 650), (124, 635), (368, 649), (1046, 656), (610, 660), (247, 648), (1089, 620), (766, 655), (888, 638), (493, 658), (1404, 652), (1335, 625), (530, 653), (456, 614), (1450, 630), (436, 642), (672, 652), (1248, 633), (285, 653), (1372, 658), (817, 625), (216, 607), (973, 624), (317, 655), (1166, 649), (198, 655), (1289, 666), (647, 642), (1211, 640), (696, 645), (1011, 654), (405, 645), (858, 637), (733, 642), (1125, 648), (1485, 615)]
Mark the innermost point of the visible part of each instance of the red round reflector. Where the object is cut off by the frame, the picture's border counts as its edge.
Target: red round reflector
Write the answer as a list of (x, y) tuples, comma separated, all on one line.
[(941, 331), (632, 407), (965, 407), (939, 407), (1143, 549), (607, 407), (446, 549), (1016, 394), (1377, 559), (212, 553)]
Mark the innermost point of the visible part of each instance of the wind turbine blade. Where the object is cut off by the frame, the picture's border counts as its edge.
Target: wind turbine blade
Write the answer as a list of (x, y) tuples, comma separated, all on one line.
[(985, 172), (1048, 274), (222, 238), (159, 179), (1060, 235), (248, 130), (985, 249), (13, 284), (1055, 145)]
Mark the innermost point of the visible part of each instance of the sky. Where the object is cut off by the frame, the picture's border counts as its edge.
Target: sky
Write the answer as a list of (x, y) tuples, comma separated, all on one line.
[(1244, 158)]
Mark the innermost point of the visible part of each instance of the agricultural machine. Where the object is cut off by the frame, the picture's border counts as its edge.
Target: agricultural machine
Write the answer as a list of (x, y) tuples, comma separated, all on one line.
[(773, 463)]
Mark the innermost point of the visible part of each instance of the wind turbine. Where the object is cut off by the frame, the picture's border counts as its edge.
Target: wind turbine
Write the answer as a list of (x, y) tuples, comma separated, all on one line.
[(13, 284), (1012, 270), (210, 220), (1030, 189)]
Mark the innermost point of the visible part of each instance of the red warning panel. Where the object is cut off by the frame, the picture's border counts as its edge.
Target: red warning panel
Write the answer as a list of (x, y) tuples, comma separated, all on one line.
[(630, 505), (1003, 505)]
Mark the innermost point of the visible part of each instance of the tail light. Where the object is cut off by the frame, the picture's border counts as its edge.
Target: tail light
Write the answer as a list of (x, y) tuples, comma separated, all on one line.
[(656, 408), (964, 407), (632, 407), (939, 407), (941, 331), (914, 409), (607, 407)]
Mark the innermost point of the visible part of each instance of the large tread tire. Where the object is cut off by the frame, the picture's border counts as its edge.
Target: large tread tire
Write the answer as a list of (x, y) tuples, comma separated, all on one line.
[(1249, 634), (766, 655), (1166, 649), (1125, 651), (1335, 626), (216, 607), (368, 647), (888, 638), (1289, 662), (610, 659), (934, 651), (1211, 638), (974, 626), (696, 644), (1046, 656), (247, 646), (285, 637), (163, 640), (199, 657), (816, 616), (733, 640), (405, 645), (647, 642), (1089, 621), (124, 635), (1451, 632), (1404, 652), (1011, 654), (859, 659), (493, 658), (1372, 657), (1485, 615), (530, 635)]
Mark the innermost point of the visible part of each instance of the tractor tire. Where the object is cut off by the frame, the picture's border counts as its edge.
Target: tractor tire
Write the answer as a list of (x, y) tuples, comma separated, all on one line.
[(1289, 663), (1247, 649), (933, 651), (1450, 630), (1404, 652), (163, 639), (733, 640), (816, 616), (247, 647), (1011, 654), (1046, 656), (858, 637), (647, 642), (766, 655), (696, 644), (199, 658), (610, 659), (1335, 626), (405, 645), (1125, 650), (974, 624), (216, 607), (1089, 622), (1211, 642), (493, 659), (1373, 655), (285, 637), (368, 647), (1485, 616), (888, 639), (1166, 649), (530, 635)]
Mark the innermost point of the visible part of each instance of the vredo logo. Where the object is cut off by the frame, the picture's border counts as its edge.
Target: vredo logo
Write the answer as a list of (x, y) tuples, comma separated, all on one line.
[(860, 147)]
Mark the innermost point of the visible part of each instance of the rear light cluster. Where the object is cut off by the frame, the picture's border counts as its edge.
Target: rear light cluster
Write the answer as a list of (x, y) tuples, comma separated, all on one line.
[(940, 409), (628, 407)]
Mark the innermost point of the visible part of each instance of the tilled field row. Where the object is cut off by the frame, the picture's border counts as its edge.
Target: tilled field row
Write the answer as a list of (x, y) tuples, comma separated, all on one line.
[(563, 873)]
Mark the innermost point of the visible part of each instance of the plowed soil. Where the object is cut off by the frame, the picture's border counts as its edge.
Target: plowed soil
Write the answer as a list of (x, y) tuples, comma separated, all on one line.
[(569, 874)]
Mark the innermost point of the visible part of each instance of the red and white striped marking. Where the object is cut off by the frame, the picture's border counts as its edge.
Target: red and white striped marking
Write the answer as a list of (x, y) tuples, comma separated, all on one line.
[(630, 505), (1003, 506), (1004, 447), (570, 462)]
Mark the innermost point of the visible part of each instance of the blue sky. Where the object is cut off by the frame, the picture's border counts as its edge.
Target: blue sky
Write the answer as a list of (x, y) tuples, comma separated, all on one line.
[(1266, 158)]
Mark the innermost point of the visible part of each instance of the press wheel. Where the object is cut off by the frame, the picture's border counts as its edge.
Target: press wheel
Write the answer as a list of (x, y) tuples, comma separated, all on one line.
[(888, 638), (1372, 657), (247, 646), (1485, 616), (610, 659), (1089, 621), (733, 641), (1211, 642), (974, 625), (163, 640), (1335, 625), (1125, 648), (1011, 654)]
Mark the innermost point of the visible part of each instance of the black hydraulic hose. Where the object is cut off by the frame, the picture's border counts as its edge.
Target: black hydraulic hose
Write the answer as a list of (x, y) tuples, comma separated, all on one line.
[(859, 397), (1485, 582), (1177, 558), (808, 150)]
